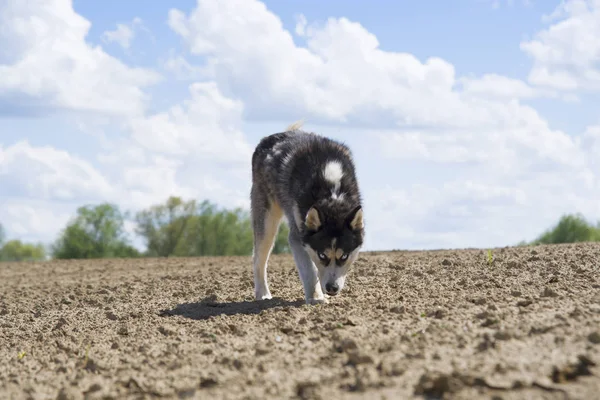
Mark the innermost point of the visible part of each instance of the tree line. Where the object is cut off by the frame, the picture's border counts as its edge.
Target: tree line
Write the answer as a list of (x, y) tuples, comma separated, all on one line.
[(190, 229), (175, 228)]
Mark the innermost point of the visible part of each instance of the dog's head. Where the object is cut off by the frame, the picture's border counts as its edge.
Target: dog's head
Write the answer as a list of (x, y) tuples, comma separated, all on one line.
[(333, 239)]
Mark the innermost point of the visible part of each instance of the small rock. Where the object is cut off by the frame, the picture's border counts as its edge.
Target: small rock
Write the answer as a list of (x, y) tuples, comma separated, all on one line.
[(69, 393), (186, 393), (549, 292), (594, 337), (479, 301), (111, 315), (524, 303), (207, 383), (446, 262), (516, 293), (437, 385), (503, 335), (307, 390), (94, 388), (482, 315), (61, 322), (387, 368), (287, 329), (357, 358), (123, 331), (489, 322), (438, 314), (346, 345), (398, 309)]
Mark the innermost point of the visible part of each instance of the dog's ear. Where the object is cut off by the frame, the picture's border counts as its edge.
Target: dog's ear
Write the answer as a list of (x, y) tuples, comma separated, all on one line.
[(355, 219), (313, 220)]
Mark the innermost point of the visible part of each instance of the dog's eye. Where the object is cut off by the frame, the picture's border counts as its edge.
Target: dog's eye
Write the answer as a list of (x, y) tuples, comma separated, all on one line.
[(344, 257), (322, 256)]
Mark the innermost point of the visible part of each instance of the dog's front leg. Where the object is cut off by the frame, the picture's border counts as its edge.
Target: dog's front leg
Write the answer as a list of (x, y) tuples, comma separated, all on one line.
[(308, 272)]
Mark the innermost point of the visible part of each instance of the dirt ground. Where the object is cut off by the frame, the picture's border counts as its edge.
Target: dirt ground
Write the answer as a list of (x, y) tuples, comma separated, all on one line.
[(430, 324)]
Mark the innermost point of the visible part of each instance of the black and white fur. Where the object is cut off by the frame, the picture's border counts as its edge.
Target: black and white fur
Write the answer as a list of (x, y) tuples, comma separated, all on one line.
[(311, 181)]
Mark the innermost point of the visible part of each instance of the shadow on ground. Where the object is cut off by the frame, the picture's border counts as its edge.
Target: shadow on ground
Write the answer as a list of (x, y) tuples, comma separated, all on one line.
[(208, 308)]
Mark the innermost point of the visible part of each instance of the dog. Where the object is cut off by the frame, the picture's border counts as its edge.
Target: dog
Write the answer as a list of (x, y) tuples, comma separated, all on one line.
[(310, 180)]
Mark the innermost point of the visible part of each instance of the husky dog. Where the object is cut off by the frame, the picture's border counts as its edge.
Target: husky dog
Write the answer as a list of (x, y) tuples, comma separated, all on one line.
[(311, 181)]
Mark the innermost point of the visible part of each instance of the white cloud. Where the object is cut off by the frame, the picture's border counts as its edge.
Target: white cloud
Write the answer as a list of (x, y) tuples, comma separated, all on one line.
[(49, 173), (194, 149), (179, 66), (123, 34), (206, 126), (566, 55), (33, 220), (502, 87), (45, 63), (341, 75)]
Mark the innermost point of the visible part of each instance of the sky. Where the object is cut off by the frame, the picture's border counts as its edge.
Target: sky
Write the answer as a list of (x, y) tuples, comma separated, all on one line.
[(473, 123)]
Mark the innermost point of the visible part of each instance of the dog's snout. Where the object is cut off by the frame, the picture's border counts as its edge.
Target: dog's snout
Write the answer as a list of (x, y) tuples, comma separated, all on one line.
[(332, 288)]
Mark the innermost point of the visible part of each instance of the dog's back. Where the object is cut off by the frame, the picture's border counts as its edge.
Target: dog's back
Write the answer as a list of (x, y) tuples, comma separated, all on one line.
[(298, 169)]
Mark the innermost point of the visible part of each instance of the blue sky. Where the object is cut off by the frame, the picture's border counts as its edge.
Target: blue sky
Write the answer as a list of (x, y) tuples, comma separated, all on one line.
[(474, 123)]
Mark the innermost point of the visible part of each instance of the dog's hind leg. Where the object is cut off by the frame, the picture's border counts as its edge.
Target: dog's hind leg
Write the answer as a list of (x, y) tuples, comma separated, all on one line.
[(306, 269), (266, 217)]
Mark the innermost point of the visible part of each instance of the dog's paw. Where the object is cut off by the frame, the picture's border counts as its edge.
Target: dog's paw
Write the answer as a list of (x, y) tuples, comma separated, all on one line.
[(262, 294), (314, 301)]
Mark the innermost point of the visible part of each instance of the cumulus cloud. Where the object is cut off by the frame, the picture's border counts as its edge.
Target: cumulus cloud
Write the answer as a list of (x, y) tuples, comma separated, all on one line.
[(195, 149), (342, 75), (502, 87), (124, 34), (49, 173), (206, 125), (32, 220), (566, 55), (46, 63)]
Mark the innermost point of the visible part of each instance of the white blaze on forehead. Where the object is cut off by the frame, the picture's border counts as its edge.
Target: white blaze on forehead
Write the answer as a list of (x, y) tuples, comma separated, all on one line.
[(333, 173)]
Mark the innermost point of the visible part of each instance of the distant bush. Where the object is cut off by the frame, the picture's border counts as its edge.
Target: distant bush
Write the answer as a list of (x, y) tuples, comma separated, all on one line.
[(15, 250), (189, 229), (173, 228), (570, 228), (96, 232)]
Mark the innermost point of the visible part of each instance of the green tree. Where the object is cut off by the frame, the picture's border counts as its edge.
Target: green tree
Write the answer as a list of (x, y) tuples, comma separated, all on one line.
[(570, 229), (96, 232), (15, 250), (163, 225), (281, 241), (2, 235), (226, 232), (188, 229)]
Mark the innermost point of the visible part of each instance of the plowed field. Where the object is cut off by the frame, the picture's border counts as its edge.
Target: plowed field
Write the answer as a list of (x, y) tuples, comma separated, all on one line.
[(427, 324)]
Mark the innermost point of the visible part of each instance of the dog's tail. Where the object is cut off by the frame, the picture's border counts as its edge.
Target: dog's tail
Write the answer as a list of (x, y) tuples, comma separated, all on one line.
[(295, 126)]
